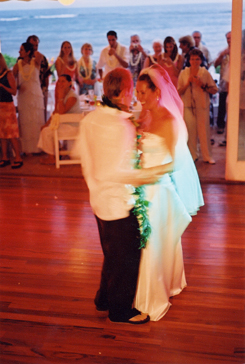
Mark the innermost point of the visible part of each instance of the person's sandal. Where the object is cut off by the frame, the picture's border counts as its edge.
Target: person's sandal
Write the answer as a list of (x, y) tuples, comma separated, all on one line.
[(4, 163), (16, 165)]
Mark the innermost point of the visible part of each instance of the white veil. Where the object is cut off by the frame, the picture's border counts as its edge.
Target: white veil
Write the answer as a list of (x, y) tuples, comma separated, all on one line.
[(170, 98), (184, 177)]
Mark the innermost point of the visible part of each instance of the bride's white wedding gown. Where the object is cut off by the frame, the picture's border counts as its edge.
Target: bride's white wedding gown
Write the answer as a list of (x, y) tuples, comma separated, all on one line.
[(161, 273)]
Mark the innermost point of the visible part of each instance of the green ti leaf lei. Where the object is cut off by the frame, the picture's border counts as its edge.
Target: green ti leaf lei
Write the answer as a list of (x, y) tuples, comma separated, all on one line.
[(140, 209)]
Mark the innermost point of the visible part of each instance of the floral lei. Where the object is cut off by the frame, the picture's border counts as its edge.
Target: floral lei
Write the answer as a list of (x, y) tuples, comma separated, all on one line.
[(140, 209)]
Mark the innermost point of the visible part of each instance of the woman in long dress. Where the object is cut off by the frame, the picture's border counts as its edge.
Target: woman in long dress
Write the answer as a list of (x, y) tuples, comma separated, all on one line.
[(177, 196), (30, 97)]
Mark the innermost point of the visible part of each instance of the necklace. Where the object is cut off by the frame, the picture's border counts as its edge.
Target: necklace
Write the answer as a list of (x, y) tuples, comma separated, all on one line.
[(141, 206), (69, 68), (152, 59), (87, 70), (137, 59), (26, 75)]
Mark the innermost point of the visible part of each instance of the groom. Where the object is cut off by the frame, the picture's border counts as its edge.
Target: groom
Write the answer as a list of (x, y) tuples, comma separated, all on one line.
[(107, 143)]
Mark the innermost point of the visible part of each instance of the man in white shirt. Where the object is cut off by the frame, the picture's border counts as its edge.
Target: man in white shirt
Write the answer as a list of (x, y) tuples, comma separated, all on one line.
[(107, 147), (113, 56)]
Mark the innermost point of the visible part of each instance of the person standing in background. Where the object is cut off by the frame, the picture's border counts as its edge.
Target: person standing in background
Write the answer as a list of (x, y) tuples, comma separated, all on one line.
[(9, 130), (30, 97), (87, 69), (197, 36), (44, 71), (113, 56), (157, 46), (223, 61), (195, 84), (187, 43), (171, 60), (137, 57)]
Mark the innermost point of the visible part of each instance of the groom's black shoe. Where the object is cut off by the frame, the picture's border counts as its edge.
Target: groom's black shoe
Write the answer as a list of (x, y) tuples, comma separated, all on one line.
[(100, 306), (134, 317)]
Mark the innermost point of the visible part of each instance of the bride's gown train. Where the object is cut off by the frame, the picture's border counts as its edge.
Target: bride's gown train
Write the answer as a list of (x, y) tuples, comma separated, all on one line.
[(161, 273)]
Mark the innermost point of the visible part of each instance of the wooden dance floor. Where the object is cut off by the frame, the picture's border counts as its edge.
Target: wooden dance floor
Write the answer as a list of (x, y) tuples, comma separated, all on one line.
[(50, 269)]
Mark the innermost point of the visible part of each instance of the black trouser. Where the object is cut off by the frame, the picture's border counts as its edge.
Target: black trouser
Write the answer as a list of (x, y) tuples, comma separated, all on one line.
[(222, 110), (120, 244)]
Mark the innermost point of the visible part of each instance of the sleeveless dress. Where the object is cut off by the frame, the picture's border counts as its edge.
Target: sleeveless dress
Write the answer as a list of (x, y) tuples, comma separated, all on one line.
[(161, 273), (8, 121), (30, 106), (69, 70)]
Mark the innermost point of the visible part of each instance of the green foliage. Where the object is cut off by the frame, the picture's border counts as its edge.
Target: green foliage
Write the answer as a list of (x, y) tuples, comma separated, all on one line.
[(10, 60), (217, 69), (140, 209)]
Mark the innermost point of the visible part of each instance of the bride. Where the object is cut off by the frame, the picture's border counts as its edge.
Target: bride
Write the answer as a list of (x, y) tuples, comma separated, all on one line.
[(177, 196)]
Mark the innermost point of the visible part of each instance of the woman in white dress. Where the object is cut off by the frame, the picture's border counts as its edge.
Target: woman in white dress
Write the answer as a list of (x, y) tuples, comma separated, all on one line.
[(66, 102), (30, 97), (177, 196)]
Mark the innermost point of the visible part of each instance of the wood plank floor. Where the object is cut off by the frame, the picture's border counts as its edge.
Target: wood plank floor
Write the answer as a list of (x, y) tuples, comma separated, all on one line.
[(50, 266)]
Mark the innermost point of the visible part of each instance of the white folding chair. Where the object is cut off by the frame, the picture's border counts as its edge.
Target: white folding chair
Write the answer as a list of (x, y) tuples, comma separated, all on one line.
[(66, 118)]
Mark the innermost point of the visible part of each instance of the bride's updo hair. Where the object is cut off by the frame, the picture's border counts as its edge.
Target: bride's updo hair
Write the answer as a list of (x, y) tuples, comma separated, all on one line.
[(146, 78), (117, 80)]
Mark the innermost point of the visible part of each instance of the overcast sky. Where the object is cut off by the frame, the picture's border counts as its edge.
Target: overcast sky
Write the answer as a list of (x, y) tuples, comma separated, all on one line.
[(16, 4)]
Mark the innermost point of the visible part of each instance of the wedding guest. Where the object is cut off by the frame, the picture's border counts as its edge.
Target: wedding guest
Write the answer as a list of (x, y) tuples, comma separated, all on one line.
[(30, 97), (223, 61), (197, 36), (9, 131), (187, 43), (171, 60), (113, 56), (157, 46), (44, 71), (66, 102), (137, 56), (87, 69), (66, 63), (195, 84)]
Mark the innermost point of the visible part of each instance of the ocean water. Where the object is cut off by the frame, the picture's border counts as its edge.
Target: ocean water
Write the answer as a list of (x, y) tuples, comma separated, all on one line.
[(53, 26)]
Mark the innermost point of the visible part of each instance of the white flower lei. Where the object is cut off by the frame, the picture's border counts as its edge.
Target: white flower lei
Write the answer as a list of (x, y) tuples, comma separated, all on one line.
[(88, 70), (152, 59), (170, 65), (69, 68), (137, 60), (26, 76)]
